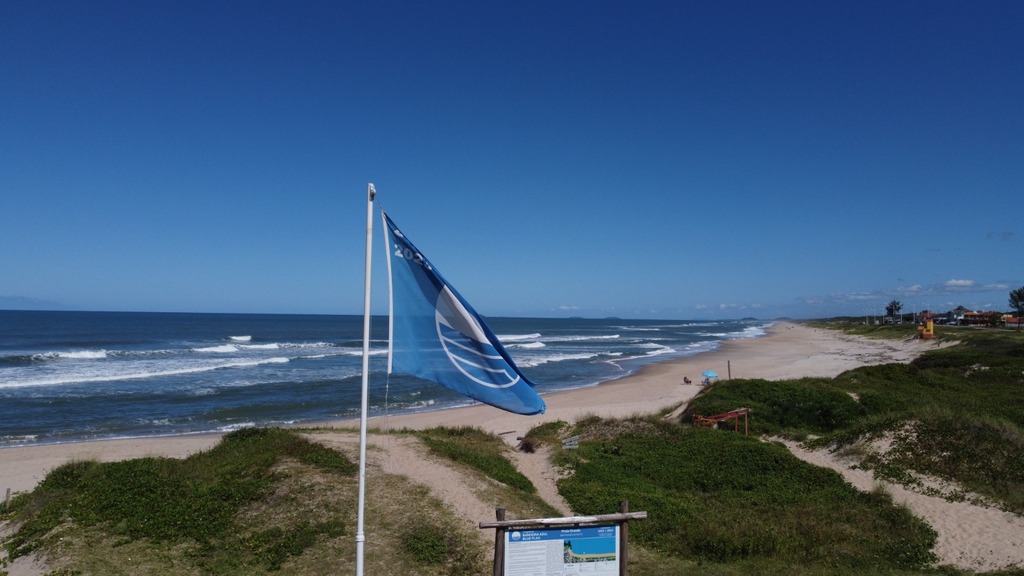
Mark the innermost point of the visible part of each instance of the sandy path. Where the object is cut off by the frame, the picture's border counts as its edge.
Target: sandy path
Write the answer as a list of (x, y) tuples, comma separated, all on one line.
[(970, 537), (537, 467), (407, 456)]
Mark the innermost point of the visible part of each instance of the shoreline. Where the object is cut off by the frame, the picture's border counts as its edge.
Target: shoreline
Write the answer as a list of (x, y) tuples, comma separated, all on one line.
[(202, 397), (647, 363), (787, 350)]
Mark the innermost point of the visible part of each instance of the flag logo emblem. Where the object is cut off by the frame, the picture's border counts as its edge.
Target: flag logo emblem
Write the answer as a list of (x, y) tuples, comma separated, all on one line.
[(467, 347)]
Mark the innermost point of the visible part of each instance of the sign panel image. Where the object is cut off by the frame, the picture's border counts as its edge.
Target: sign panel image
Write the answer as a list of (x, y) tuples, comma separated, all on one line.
[(562, 551)]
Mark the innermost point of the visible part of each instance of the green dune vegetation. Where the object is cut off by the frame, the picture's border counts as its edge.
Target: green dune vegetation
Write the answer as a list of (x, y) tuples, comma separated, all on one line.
[(718, 502)]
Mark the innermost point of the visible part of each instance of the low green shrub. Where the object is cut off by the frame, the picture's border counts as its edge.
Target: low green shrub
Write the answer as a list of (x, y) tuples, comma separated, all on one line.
[(164, 499), (722, 497), (479, 450), (806, 406), (426, 543), (548, 433)]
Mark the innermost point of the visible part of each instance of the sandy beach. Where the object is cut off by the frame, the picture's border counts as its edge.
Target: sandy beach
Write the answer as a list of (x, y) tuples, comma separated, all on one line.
[(977, 539)]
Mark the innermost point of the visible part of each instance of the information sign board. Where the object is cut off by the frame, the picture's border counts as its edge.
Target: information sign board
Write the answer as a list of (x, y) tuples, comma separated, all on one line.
[(591, 550)]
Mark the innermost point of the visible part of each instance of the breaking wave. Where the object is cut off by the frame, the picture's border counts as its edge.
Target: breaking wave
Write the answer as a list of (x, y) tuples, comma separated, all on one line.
[(137, 374)]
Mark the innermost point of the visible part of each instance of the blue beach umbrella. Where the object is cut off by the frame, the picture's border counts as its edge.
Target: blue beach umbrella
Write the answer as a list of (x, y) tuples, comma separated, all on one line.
[(709, 374)]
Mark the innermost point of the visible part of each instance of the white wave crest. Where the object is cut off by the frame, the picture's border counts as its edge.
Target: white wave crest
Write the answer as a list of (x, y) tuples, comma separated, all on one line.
[(138, 374), (260, 346), (21, 439), (748, 332), (527, 346), (239, 426), (240, 338), (658, 349), (518, 337), (534, 361), (303, 345), (582, 338), (751, 332), (222, 349), (83, 355), (360, 352), (702, 346)]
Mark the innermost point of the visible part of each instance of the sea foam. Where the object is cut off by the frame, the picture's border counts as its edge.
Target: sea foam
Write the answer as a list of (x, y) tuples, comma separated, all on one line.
[(83, 355), (222, 349), (534, 361), (527, 345), (518, 337), (86, 377)]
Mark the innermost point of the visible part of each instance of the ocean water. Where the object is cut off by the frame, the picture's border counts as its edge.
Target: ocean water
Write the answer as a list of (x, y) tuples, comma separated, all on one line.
[(68, 376)]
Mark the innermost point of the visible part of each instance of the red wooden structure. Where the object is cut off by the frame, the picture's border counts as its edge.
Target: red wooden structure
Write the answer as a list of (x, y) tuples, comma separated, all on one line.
[(734, 415)]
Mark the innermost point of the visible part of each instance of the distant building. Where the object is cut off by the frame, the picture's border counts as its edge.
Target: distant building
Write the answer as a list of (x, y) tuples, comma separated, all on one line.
[(975, 318), (964, 317)]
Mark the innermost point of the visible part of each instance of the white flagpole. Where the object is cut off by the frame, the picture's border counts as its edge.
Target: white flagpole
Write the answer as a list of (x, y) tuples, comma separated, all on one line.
[(360, 536)]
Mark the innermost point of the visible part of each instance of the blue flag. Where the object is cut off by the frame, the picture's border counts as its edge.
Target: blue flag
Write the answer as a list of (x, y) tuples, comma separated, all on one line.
[(436, 334)]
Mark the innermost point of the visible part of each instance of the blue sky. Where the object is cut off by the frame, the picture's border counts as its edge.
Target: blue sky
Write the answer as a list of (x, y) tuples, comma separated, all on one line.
[(636, 159)]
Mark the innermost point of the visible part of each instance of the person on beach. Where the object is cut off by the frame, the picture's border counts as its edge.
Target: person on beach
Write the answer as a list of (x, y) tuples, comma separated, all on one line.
[(686, 380)]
